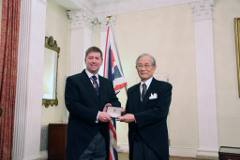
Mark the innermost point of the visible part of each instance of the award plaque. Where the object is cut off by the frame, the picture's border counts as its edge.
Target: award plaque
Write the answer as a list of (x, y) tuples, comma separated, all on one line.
[(115, 112)]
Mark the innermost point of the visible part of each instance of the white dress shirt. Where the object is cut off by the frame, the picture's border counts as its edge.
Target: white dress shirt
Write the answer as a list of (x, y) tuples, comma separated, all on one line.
[(90, 75)]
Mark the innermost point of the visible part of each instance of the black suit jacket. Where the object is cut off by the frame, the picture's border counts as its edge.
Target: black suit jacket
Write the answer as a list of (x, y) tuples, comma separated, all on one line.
[(151, 116), (83, 105)]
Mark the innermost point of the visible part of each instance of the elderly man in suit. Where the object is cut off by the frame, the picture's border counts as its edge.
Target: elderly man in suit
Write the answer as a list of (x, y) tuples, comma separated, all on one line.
[(146, 112), (87, 96)]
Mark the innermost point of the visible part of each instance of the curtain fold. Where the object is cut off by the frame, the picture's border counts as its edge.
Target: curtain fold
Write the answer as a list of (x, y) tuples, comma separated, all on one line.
[(10, 25)]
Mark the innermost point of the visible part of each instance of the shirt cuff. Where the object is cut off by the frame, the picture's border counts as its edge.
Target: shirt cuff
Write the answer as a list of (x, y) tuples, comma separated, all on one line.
[(97, 117)]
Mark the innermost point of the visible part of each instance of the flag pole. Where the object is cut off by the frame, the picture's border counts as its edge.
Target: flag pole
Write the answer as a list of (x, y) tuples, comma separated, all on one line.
[(109, 17)]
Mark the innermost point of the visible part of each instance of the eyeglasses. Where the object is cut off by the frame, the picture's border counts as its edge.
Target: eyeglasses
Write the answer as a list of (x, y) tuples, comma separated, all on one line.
[(145, 66)]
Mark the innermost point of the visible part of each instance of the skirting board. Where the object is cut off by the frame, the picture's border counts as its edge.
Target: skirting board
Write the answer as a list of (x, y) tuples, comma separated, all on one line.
[(182, 151), (44, 155), (207, 154), (28, 158), (123, 147), (174, 151)]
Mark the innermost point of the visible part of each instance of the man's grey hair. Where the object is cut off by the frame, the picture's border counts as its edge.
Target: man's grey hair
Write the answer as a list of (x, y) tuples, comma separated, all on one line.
[(146, 54)]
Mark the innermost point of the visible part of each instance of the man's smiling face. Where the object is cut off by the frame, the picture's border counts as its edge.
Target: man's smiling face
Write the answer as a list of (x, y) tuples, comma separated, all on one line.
[(93, 62)]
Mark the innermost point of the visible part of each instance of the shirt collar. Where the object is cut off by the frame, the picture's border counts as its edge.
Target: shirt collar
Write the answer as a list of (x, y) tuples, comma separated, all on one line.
[(90, 74), (148, 82)]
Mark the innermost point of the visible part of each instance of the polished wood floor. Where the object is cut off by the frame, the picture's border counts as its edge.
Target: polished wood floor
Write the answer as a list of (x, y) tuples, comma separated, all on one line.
[(124, 156)]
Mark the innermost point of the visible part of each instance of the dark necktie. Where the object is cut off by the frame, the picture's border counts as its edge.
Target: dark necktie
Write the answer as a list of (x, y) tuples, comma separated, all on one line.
[(95, 84), (144, 90)]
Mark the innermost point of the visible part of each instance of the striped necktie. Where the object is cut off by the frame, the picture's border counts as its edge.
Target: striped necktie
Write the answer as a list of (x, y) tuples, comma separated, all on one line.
[(95, 84), (144, 90)]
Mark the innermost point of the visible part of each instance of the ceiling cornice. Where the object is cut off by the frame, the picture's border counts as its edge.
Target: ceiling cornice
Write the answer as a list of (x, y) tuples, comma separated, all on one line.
[(116, 7), (103, 2), (127, 6), (85, 4), (137, 5)]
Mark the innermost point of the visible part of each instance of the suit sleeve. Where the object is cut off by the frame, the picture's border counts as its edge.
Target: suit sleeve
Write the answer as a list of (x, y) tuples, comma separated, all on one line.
[(127, 104), (158, 112), (72, 100), (114, 99)]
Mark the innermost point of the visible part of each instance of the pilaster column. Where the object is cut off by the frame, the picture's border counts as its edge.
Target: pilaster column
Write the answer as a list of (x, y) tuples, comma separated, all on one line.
[(27, 123), (206, 91), (81, 33), (95, 32)]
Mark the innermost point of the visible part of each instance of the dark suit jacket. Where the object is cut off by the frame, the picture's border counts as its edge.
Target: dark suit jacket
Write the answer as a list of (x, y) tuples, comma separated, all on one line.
[(151, 116), (83, 105)]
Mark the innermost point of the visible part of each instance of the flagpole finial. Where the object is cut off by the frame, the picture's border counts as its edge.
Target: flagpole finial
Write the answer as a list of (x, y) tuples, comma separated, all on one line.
[(109, 19)]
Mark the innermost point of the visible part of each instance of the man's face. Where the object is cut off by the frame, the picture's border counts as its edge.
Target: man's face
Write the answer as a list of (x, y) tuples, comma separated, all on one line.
[(145, 68), (93, 62)]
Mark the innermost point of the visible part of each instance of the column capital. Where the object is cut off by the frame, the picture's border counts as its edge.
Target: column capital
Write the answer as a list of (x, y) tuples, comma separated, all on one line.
[(41, 1), (103, 21), (202, 9), (81, 18)]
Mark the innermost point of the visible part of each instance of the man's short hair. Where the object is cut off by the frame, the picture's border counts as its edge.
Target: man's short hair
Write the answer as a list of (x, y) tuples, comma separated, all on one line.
[(146, 54), (93, 49)]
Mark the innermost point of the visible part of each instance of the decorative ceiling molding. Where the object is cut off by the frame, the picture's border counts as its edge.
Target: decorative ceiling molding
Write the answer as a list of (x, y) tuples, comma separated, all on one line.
[(128, 6), (202, 9), (101, 2), (84, 4), (81, 18), (105, 7)]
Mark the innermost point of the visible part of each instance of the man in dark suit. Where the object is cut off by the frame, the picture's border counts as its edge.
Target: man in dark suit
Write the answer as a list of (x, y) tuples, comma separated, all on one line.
[(147, 109), (87, 96)]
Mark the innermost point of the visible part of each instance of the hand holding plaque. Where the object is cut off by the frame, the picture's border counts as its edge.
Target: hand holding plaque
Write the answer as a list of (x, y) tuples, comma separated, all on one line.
[(115, 112)]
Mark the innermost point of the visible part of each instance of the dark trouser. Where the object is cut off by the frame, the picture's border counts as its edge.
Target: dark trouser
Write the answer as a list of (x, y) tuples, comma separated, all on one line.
[(96, 150), (141, 151)]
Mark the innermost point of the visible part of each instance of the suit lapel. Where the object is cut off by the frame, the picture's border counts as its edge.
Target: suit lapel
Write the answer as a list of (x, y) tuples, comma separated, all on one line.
[(86, 81), (102, 89), (136, 98), (150, 90)]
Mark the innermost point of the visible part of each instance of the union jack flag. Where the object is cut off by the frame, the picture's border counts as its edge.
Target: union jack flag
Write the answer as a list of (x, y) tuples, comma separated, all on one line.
[(112, 72)]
